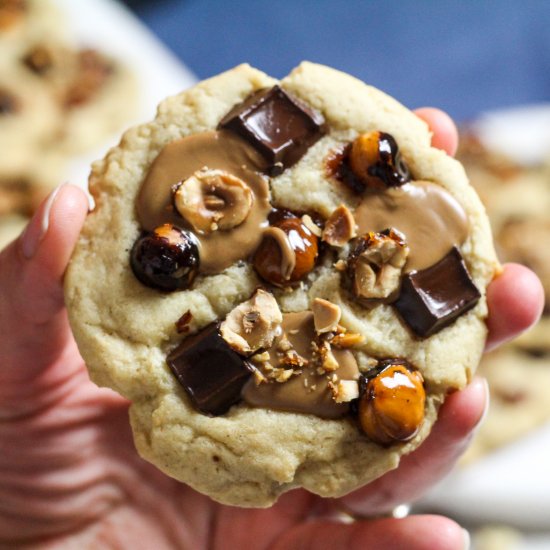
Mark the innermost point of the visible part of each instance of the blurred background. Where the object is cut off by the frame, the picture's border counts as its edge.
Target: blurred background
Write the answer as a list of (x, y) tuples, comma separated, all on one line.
[(465, 57), (75, 73)]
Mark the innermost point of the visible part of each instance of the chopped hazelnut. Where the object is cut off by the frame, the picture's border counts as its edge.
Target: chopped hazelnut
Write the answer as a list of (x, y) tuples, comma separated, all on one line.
[(212, 200), (375, 264), (182, 324), (326, 315), (340, 227), (347, 340), (311, 225), (254, 324), (327, 359), (344, 391)]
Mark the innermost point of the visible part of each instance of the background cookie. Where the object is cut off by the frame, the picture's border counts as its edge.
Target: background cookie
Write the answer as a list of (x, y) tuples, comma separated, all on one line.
[(517, 198), (125, 330)]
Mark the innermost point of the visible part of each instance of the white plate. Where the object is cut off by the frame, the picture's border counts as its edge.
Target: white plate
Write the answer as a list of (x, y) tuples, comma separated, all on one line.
[(521, 133), (512, 484), (110, 27)]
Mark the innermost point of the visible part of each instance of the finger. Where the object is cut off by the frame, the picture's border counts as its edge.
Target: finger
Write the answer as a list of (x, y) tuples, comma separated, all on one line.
[(32, 315), (515, 299), (417, 472), (445, 134), (412, 533)]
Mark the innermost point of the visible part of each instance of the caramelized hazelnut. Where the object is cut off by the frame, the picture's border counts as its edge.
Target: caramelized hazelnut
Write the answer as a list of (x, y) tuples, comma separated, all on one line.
[(167, 258), (287, 253), (391, 406), (376, 161)]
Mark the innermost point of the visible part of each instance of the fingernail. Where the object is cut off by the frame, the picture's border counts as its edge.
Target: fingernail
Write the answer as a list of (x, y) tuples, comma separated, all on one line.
[(38, 226), (466, 538), (487, 402)]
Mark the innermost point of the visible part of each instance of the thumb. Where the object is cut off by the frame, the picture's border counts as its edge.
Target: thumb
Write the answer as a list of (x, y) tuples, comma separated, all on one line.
[(33, 321)]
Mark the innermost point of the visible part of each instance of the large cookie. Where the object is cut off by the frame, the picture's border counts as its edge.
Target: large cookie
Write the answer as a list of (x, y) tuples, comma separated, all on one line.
[(285, 279)]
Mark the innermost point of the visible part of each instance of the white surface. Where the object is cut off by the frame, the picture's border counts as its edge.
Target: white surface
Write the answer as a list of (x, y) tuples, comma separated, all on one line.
[(522, 133), (110, 27), (511, 485)]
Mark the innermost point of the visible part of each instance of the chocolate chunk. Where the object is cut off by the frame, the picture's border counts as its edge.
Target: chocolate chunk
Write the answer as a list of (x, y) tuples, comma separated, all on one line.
[(278, 125), (433, 298), (211, 373)]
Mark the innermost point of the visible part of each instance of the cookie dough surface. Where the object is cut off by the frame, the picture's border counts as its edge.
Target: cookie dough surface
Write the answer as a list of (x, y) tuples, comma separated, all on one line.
[(249, 456)]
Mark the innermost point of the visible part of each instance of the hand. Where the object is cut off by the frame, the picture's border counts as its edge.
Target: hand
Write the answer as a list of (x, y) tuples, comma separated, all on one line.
[(69, 474)]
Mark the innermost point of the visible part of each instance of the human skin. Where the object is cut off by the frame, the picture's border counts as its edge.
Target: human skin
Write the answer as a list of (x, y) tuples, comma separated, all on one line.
[(69, 473)]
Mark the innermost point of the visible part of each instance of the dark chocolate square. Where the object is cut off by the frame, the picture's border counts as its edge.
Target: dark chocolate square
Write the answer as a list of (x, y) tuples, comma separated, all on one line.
[(278, 125), (433, 298), (211, 373)]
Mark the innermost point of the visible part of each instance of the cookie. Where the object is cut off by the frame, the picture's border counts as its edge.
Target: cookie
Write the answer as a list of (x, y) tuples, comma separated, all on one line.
[(95, 93), (24, 21), (29, 121), (518, 381), (517, 199), (285, 279)]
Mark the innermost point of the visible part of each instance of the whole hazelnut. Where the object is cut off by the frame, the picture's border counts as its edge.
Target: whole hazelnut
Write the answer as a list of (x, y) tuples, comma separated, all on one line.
[(212, 200), (166, 258), (376, 161), (287, 253), (391, 405)]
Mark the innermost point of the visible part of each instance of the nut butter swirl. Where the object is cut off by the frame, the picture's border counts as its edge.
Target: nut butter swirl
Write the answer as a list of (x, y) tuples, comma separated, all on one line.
[(307, 392), (179, 160), (432, 220)]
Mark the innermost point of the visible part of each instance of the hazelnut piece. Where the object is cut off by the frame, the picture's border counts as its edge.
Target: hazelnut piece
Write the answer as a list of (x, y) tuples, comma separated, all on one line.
[(287, 253), (375, 264), (326, 315), (213, 199), (254, 324), (391, 405), (166, 258), (340, 227), (375, 160)]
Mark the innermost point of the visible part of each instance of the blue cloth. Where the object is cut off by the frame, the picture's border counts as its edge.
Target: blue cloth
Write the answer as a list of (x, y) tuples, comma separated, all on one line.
[(463, 56)]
